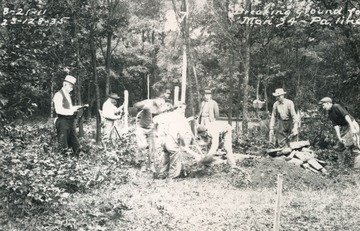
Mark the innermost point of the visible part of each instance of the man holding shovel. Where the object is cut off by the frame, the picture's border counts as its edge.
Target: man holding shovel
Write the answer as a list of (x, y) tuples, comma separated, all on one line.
[(346, 128), (285, 119)]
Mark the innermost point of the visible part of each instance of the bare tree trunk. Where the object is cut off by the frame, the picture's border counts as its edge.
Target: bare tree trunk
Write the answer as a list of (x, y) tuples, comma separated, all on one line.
[(79, 77), (231, 96), (95, 77), (246, 73), (52, 95), (107, 62)]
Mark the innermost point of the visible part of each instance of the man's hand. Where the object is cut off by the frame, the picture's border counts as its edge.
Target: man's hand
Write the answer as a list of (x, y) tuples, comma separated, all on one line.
[(76, 108), (295, 131)]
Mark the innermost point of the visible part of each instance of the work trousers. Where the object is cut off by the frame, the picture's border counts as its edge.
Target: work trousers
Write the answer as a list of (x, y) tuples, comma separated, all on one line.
[(66, 134), (283, 130), (145, 140), (351, 142), (228, 148)]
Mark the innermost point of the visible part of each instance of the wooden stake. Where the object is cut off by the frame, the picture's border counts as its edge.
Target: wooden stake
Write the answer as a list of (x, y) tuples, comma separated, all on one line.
[(148, 86), (176, 95), (183, 79), (278, 203), (126, 111)]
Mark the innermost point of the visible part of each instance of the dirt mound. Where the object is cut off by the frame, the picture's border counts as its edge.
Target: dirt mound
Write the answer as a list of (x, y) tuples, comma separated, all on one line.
[(264, 172)]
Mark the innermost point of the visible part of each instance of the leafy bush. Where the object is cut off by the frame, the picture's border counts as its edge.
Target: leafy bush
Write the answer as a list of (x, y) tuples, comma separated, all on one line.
[(37, 179)]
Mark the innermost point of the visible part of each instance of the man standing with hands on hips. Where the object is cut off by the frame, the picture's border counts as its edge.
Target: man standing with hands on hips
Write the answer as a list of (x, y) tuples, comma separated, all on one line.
[(284, 119), (65, 111)]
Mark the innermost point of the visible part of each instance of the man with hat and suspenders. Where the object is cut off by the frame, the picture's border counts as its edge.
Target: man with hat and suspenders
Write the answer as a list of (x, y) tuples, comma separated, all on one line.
[(64, 123), (111, 113), (346, 128), (285, 119)]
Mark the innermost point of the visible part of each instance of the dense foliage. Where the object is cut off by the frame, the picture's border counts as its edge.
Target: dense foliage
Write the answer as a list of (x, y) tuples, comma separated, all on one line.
[(140, 39)]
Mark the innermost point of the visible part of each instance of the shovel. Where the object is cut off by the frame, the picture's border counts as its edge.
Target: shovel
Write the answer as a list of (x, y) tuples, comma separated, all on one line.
[(286, 139)]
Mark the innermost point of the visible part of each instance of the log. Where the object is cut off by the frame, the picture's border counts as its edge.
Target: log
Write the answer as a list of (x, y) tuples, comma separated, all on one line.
[(304, 156), (299, 144), (313, 163)]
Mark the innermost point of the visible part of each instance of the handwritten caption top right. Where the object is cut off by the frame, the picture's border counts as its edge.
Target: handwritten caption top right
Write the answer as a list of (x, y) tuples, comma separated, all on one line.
[(292, 17)]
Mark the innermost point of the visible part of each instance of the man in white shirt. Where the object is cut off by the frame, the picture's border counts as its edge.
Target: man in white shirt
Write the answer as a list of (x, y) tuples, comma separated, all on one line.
[(65, 111), (111, 113)]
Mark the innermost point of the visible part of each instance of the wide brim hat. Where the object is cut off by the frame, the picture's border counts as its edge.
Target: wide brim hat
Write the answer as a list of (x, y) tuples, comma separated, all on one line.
[(207, 91), (71, 79), (279, 92), (325, 100), (114, 96)]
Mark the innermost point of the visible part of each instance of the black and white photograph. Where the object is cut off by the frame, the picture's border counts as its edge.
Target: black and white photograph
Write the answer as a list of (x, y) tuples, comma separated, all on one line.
[(201, 115)]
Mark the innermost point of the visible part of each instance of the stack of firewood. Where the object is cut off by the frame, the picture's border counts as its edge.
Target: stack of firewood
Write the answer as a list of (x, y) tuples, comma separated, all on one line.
[(300, 154)]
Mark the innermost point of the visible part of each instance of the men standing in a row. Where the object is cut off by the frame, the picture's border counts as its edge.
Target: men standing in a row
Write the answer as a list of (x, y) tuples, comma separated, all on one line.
[(111, 113), (209, 110), (346, 128), (65, 111), (283, 118)]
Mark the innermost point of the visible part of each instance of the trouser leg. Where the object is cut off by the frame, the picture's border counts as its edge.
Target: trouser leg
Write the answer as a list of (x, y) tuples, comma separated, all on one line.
[(151, 153), (283, 131), (73, 140), (228, 149), (62, 130), (165, 163), (175, 164)]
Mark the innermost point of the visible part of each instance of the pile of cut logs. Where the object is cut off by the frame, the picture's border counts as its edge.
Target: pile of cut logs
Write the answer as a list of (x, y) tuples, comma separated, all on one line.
[(300, 154)]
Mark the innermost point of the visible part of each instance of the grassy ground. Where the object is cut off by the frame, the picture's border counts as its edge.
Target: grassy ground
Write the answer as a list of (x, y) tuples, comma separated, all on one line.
[(213, 198), (216, 199)]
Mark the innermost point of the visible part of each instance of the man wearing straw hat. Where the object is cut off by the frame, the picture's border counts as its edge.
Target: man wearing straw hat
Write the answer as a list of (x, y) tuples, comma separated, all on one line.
[(64, 123), (284, 119), (346, 128), (111, 113)]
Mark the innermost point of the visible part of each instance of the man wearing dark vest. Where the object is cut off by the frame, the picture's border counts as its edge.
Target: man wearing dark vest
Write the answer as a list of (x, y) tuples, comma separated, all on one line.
[(65, 111), (209, 110)]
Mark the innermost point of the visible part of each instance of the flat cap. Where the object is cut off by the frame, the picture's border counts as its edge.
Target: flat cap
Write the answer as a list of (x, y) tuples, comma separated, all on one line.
[(325, 100)]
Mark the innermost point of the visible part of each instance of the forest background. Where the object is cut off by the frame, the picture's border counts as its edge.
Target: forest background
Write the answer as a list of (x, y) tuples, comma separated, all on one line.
[(112, 46)]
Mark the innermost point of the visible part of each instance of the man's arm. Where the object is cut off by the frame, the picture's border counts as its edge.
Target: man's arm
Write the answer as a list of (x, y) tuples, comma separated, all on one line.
[(294, 116), (337, 130), (216, 110), (351, 124), (273, 115)]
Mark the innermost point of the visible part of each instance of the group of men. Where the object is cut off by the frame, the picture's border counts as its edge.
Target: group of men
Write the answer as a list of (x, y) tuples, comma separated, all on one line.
[(286, 121), (161, 123)]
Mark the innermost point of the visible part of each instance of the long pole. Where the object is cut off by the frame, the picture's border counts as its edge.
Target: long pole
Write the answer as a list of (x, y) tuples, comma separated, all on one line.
[(183, 79), (126, 112), (148, 86)]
